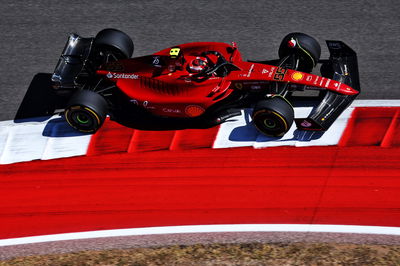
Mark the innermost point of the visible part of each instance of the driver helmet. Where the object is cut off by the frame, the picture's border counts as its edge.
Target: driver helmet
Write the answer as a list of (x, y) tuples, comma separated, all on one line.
[(198, 64)]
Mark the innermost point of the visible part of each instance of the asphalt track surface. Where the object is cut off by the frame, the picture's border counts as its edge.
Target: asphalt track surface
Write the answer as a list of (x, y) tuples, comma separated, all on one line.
[(33, 33)]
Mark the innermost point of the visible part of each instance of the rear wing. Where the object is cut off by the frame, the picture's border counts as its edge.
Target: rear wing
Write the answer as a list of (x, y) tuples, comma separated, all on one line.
[(71, 63), (341, 66)]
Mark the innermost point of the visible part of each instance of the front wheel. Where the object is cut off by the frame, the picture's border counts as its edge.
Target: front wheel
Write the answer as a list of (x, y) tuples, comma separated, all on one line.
[(304, 46), (86, 111), (273, 117), (114, 41)]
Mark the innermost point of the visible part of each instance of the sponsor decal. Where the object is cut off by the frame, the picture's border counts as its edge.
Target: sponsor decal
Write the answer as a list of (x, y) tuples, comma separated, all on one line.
[(271, 72), (309, 78), (156, 61), (114, 66), (255, 87), (305, 123), (327, 83), (255, 82), (297, 76), (334, 45), (316, 80), (250, 70), (280, 74), (322, 81), (264, 71), (121, 76), (194, 110), (239, 86), (147, 106), (346, 72), (171, 110), (327, 115)]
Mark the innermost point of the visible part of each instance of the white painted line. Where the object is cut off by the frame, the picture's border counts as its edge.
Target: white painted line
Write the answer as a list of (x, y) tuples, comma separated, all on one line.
[(237, 132), (49, 139), (24, 143), (240, 132), (224, 228), (330, 137), (4, 133), (53, 138), (375, 103)]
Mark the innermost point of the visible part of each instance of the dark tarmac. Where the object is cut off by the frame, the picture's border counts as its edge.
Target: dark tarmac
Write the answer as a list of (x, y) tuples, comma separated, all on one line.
[(33, 33)]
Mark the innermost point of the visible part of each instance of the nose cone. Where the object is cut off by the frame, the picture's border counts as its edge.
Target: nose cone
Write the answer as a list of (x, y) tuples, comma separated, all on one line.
[(346, 90)]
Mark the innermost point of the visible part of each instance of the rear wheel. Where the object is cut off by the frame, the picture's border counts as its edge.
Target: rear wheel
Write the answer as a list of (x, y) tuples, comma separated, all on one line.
[(273, 117), (86, 111), (302, 45), (114, 41)]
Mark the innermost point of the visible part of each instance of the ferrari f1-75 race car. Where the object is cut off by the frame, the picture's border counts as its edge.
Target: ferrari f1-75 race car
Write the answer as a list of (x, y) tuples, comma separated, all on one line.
[(201, 84)]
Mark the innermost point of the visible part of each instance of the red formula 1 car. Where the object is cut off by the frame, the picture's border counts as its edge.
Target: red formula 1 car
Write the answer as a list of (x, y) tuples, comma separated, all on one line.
[(202, 84)]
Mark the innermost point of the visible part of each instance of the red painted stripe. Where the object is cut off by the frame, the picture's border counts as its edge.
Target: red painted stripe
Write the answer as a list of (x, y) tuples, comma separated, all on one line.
[(112, 137), (392, 136), (151, 140), (368, 126), (194, 139), (315, 185)]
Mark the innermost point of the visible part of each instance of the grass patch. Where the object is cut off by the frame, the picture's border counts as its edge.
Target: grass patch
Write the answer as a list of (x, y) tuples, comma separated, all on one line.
[(227, 254)]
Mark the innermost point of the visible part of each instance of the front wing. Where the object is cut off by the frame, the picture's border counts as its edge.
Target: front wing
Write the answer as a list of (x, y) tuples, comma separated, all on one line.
[(341, 66)]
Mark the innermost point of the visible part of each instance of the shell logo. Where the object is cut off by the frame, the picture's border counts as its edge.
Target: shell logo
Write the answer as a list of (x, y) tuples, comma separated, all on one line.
[(297, 76), (194, 110)]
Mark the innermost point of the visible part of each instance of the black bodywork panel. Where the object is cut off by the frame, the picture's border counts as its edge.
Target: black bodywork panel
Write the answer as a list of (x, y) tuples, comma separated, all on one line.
[(342, 66)]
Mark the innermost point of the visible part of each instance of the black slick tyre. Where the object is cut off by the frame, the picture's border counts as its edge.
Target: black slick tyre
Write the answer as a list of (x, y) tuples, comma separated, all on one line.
[(115, 41), (303, 45), (273, 117), (86, 111)]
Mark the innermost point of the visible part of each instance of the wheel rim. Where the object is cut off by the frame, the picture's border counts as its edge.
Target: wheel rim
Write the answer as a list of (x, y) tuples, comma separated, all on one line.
[(270, 123), (82, 119)]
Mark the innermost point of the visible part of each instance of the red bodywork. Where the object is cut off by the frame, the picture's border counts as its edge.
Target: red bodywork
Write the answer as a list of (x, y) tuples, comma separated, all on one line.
[(163, 85)]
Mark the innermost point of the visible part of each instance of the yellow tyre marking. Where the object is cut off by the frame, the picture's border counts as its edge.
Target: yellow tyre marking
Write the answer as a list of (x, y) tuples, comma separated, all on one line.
[(283, 119), (306, 53), (91, 111)]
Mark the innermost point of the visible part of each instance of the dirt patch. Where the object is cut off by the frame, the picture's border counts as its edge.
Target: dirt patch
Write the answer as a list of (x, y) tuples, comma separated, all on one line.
[(227, 254)]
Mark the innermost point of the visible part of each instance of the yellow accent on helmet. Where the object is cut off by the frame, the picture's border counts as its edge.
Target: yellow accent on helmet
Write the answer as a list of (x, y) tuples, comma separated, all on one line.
[(174, 52)]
